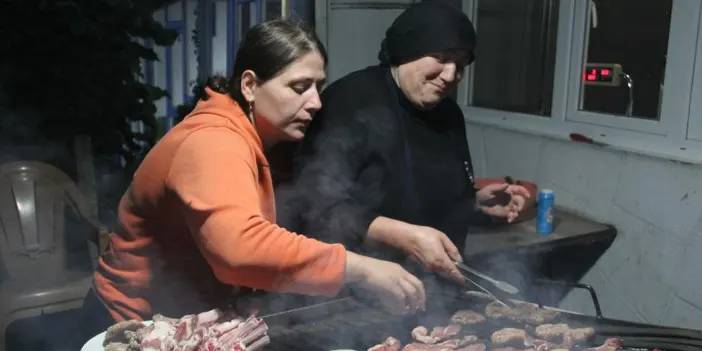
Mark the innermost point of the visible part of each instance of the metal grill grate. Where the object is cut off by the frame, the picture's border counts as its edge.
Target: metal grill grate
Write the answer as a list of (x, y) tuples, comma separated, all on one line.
[(353, 325)]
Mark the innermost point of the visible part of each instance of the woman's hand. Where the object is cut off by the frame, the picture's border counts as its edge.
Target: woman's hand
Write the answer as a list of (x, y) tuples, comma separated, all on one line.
[(426, 245), (502, 200), (434, 251), (398, 291)]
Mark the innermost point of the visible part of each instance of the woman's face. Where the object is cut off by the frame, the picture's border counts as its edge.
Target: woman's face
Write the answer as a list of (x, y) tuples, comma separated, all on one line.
[(284, 105), (428, 79)]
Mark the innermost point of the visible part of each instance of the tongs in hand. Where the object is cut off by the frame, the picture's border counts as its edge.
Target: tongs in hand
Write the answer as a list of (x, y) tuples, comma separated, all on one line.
[(502, 286)]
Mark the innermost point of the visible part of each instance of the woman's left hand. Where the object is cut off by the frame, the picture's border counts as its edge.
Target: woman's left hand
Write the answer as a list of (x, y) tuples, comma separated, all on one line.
[(503, 201)]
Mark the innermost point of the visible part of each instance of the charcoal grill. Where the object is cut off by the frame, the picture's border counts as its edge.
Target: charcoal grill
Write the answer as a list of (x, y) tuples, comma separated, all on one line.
[(352, 324)]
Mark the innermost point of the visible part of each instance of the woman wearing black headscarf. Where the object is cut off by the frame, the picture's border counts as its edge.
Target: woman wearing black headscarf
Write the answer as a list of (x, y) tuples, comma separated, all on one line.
[(386, 159)]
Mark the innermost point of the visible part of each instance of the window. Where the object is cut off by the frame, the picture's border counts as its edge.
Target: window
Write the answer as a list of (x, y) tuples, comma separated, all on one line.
[(272, 9), (661, 71), (627, 73), (256, 11), (252, 12), (249, 14), (695, 124), (627, 46), (515, 55)]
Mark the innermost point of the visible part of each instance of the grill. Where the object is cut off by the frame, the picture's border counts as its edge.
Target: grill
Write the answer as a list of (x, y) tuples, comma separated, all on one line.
[(348, 323)]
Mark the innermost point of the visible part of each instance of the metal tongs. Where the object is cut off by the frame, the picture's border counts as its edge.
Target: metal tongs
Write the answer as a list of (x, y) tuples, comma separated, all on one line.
[(498, 295)]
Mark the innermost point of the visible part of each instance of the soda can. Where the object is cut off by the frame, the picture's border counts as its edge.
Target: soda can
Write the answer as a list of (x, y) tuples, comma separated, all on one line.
[(544, 213)]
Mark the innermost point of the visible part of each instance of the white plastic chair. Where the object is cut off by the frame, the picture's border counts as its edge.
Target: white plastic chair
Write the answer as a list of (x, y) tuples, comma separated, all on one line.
[(35, 275)]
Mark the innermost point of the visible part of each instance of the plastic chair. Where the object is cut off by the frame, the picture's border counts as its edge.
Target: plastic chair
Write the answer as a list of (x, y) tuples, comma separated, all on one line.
[(38, 272)]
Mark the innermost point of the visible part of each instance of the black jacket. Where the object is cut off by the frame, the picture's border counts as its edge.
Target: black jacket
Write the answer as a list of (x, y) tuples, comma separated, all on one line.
[(369, 152)]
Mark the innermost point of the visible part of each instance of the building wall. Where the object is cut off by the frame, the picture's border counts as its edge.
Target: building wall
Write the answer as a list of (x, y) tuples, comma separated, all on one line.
[(651, 271), (354, 31)]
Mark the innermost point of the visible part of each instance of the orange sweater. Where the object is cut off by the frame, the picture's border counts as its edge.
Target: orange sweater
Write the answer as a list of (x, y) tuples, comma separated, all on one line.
[(199, 218)]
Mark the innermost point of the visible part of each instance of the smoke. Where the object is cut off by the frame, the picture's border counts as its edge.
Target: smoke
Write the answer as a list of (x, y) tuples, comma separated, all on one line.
[(336, 188)]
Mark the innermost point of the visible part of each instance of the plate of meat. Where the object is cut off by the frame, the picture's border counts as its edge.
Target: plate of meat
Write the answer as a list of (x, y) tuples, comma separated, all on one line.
[(210, 330), (96, 342)]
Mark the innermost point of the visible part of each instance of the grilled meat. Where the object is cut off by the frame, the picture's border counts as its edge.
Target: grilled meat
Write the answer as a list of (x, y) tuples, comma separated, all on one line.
[(473, 347), (539, 344), (390, 344), (458, 343), (563, 335), (610, 344), (440, 339), (416, 346), (467, 317), (443, 333), (552, 331), (581, 334), (522, 313), (495, 310), (444, 347), (508, 336), (535, 336), (421, 334)]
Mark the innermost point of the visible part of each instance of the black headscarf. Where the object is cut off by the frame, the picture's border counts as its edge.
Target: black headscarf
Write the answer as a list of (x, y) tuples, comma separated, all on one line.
[(426, 27)]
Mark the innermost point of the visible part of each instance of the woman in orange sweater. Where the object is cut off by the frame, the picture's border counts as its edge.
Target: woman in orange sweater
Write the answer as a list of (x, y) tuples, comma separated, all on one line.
[(199, 216)]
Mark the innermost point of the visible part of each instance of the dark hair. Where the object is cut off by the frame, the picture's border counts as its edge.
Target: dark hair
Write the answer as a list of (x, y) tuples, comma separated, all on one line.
[(267, 48)]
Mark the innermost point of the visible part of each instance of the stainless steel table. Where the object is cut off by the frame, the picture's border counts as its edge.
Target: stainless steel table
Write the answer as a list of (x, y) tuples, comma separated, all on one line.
[(518, 254)]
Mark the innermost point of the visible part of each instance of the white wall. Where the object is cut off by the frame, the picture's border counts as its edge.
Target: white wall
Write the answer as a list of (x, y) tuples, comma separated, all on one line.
[(352, 32), (352, 44), (651, 273)]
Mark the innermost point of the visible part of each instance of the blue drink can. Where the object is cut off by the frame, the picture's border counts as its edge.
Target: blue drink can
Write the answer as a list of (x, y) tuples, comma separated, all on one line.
[(544, 213)]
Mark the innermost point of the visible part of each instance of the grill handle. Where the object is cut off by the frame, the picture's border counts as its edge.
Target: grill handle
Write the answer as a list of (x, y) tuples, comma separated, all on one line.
[(589, 288)]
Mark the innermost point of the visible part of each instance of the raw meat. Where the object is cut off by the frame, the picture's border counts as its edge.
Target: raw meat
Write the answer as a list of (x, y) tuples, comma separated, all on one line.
[(207, 331)]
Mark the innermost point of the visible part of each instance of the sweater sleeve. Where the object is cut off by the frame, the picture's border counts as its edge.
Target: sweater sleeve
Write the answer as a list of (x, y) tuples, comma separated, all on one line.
[(213, 174)]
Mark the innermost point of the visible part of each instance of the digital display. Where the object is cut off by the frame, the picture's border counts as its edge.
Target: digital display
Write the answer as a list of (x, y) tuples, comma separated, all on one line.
[(598, 75), (602, 74)]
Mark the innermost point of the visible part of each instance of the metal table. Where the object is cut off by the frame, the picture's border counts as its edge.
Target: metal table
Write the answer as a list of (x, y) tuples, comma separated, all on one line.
[(518, 254)]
